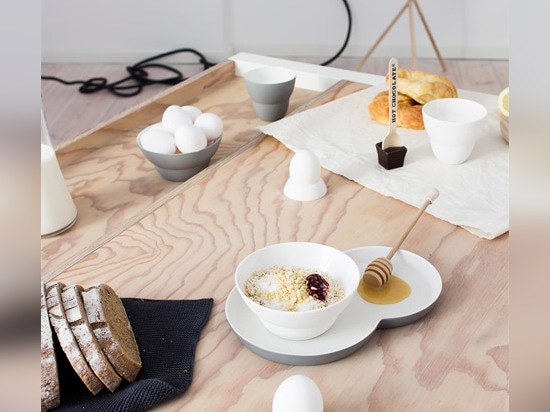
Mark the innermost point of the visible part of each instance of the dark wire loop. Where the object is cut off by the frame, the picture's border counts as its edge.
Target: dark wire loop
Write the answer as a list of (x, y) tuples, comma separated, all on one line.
[(93, 85), (138, 76)]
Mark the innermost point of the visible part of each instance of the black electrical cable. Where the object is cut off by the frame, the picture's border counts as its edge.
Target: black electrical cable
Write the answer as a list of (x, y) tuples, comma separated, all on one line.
[(139, 77), (346, 41)]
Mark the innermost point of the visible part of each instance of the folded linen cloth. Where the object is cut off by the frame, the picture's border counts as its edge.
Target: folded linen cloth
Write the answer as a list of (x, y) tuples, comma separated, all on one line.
[(167, 332), (342, 135)]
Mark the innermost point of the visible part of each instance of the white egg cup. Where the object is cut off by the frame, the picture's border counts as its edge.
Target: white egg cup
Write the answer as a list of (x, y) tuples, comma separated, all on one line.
[(305, 182)]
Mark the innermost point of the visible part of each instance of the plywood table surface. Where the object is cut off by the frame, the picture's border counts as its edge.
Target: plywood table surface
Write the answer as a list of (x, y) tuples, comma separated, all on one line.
[(454, 359), (112, 183)]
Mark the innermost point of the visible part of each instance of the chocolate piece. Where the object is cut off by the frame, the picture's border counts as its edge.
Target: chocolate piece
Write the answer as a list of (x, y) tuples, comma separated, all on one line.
[(392, 157)]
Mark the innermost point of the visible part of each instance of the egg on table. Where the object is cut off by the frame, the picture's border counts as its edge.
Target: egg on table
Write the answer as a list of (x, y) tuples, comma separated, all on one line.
[(297, 393), (305, 182), (305, 167)]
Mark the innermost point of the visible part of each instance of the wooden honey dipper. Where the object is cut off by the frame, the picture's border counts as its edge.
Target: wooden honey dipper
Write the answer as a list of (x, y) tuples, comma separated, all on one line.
[(378, 272)]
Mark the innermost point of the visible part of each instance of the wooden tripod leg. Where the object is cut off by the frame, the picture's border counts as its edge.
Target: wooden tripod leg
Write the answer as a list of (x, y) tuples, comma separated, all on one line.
[(429, 35), (411, 31), (362, 62)]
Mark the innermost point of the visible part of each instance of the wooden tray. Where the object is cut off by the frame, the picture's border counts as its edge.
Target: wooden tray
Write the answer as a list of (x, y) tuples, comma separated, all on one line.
[(112, 183)]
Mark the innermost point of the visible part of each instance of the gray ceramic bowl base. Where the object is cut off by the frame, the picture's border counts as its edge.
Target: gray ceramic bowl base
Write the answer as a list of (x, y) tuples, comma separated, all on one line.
[(304, 360), (180, 167), (271, 112), (176, 175)]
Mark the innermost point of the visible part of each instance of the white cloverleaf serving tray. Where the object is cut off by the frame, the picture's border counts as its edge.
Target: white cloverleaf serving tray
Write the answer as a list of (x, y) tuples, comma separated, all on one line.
[(355, 325)]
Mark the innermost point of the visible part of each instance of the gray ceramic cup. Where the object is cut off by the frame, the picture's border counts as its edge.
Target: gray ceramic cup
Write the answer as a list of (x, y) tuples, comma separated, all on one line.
[(270, 89)]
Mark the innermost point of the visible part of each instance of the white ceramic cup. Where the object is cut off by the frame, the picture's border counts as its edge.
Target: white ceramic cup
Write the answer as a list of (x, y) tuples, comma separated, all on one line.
[(270, 89), (453, 126)]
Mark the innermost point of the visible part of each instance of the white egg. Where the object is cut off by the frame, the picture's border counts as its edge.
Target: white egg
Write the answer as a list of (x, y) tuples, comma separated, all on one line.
[(190, 139), (173, 117), (158, 141), (192, 111), (211, 124), (157, 126), (297, 393), (305, 167)]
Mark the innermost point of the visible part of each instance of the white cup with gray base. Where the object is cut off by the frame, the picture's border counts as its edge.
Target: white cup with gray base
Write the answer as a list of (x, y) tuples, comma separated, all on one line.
[(270, 89)]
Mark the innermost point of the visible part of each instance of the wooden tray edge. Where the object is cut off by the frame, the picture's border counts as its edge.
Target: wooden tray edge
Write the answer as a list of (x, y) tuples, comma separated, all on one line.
[(192, 87)]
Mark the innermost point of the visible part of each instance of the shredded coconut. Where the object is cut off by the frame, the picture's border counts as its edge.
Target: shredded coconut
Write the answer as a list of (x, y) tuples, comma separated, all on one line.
[(285, 288)]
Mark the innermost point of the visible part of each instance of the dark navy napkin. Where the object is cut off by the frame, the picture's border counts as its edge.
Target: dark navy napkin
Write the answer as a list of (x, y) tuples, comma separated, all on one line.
[(167, 332)]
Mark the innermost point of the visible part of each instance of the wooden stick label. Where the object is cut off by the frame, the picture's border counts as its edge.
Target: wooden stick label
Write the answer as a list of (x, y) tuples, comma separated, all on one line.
[(393, 90)]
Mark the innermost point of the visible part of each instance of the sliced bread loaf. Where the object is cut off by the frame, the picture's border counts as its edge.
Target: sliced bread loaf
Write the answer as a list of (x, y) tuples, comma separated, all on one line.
[(50, 397), (66, 339), (112, 329), (85, 337)]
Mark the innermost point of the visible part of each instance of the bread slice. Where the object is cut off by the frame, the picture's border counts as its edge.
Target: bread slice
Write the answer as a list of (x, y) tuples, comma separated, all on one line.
[(50, 397), (84, 335), (66, 338), (112, 329)]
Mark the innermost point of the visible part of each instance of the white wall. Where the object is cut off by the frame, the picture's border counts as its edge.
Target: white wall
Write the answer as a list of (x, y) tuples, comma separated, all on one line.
[(126, 30)]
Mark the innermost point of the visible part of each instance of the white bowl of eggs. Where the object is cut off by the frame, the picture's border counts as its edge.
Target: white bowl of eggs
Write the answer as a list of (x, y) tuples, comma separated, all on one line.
[(183, 143)]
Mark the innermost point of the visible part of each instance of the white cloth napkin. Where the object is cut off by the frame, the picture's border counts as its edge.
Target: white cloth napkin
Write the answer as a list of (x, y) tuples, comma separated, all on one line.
[(342, 135)]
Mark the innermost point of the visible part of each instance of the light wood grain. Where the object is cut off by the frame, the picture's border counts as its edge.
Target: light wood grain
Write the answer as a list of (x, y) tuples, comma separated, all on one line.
[(186, 242), (188, 248)]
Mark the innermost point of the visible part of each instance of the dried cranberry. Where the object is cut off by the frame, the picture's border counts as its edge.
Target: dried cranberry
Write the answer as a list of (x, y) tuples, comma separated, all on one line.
[(317, 286)]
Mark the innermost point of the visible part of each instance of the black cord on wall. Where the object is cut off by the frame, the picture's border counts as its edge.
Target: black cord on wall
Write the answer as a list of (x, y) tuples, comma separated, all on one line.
[(346, 41), (138, 76)]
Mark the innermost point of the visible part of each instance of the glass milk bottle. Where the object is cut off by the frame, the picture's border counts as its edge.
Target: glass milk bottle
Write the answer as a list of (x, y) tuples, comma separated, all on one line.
[(58, 211)]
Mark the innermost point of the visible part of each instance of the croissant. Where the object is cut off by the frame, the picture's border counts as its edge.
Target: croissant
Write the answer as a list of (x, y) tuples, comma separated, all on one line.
[(423, 86), (409, 112)]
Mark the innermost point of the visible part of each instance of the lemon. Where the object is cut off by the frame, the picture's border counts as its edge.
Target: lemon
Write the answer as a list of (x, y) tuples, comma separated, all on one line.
[(504, 102)]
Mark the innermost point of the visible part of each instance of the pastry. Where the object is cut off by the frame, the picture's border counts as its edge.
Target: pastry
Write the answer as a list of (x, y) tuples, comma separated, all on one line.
[(409, 112), (423, 86)]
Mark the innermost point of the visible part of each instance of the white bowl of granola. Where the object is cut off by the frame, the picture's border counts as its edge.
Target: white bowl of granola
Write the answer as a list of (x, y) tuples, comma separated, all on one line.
[(297, 289)]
